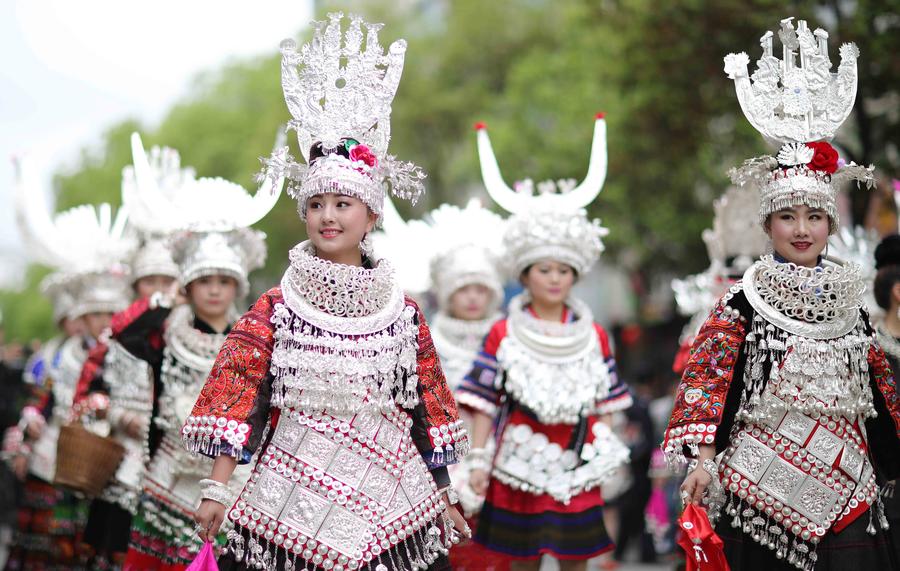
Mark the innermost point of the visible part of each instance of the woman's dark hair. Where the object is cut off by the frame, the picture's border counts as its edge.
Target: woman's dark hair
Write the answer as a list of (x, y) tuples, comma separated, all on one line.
[(529, 266), (316, 151), (887, 262), (885, 280)]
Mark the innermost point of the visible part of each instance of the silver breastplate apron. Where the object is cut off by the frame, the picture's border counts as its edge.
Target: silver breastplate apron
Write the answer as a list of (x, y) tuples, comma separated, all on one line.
[(797, 463), (343, 487), (174, 473), (528, 461), (559, 372), (130, 383)]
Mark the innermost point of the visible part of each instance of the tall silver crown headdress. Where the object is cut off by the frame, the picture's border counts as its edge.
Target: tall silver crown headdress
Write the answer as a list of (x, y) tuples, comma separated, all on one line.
[(799, 105), (553, 223), (208, 217), (87, 247), (451, 247), (339, 94)]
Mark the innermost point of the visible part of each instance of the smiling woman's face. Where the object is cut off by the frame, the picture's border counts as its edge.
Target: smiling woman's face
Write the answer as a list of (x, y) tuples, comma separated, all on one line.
[(336, 224), (799, 234)]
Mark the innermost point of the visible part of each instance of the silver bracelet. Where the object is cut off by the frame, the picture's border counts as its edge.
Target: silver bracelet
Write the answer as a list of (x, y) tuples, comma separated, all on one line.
[(452, 495), (709, 466), (478, 459), (216, 491)]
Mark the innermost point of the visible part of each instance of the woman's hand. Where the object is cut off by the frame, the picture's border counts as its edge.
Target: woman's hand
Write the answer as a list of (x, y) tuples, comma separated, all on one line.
[(209, 518), (459, 522), (20, 466), (134, 426), (694, 486), (34, 428), (478, 481)]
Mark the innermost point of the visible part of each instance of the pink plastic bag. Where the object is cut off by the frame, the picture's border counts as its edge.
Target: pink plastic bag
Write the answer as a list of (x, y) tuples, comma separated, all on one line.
[(205, 560)]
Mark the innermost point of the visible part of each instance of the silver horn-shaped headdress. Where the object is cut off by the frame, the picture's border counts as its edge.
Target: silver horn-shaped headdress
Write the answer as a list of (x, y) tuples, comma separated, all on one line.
[(572, 198), (209, 218), (553, 223), (86, 246)]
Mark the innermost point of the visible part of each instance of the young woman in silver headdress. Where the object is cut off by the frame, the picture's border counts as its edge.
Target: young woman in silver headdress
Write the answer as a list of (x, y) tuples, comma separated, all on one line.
[(87, 247), (546, 379), (455, 254), (177, 335), (787, 404), (332, 379), (112, 378)]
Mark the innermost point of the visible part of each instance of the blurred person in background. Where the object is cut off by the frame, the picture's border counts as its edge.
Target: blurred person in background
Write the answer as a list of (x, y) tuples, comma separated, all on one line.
[(545, 381)]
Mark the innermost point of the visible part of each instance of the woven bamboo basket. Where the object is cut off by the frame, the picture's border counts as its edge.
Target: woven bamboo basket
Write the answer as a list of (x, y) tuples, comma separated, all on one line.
[(86, 462)]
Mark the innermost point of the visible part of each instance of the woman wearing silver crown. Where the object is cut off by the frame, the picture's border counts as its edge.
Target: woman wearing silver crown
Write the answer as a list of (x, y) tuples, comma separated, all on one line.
[(787, 404), (332, 379), (178, 336), (547, 378)]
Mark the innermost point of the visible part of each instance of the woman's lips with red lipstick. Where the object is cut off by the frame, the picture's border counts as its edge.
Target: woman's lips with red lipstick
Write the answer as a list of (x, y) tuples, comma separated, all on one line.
[(801, 245), (329, 232)]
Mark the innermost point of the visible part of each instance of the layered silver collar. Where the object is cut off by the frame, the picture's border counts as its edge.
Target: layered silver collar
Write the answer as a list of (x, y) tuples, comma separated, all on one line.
[(552, 341), (819, 303), (190, 346), (461, 334), (340, 298)]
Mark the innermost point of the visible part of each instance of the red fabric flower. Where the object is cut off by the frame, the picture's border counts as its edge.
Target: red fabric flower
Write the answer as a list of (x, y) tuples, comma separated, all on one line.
[(362, 153), (825, 158)]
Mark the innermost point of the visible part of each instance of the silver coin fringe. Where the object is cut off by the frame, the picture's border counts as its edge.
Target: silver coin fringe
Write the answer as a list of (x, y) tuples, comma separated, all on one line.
[(765, 531), (420, 550)]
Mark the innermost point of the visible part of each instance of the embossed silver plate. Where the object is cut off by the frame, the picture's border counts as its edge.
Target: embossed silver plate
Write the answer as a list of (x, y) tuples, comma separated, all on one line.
[(781, 480), (348, 467), (343, 530), (852, 463), (379, 485), (814, 500), (826, 445), (751, 458), (288, 434), (305, 511), (797, 427), (317, 450), (270, 493)]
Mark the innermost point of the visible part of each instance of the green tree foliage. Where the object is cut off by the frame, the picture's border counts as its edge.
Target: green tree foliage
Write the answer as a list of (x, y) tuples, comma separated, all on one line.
[(536, 71)]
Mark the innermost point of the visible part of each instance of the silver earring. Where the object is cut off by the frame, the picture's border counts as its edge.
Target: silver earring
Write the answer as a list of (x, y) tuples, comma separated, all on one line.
[(365, 245)]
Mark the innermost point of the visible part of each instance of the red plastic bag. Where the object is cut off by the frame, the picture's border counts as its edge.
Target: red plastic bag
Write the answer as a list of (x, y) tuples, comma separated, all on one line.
[(703, 548), (205, 560)]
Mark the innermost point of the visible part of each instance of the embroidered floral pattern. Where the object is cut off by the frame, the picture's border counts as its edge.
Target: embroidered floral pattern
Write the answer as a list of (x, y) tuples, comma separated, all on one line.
[(441, 415), (880, 369), (700, 399), (231, 389)]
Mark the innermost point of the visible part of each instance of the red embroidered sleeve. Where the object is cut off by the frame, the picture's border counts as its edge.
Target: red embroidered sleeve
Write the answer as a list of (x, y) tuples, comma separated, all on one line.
[(127, 316), (92, 368), (220, 420), (880, 369), (700, 398), (445, 429)]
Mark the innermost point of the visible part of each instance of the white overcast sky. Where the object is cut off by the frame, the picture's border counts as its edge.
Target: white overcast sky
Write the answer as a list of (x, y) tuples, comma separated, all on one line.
[(70, 69)]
